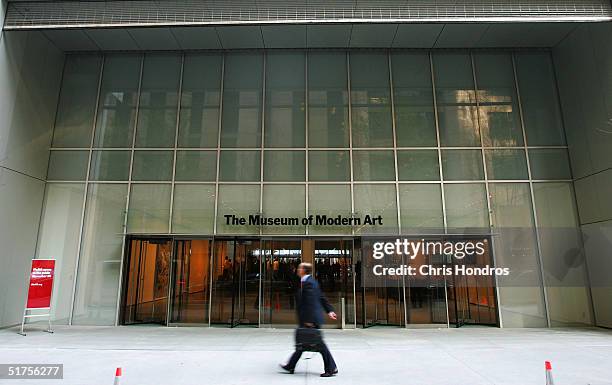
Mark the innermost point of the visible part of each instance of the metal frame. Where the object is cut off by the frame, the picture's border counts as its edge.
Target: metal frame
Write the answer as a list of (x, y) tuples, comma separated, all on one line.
[(441, 182)]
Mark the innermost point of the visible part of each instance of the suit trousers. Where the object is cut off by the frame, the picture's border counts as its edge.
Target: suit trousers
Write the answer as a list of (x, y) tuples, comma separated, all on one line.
[(328, 360)]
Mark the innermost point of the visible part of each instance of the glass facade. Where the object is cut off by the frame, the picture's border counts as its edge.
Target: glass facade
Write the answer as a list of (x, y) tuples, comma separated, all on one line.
[(169, 143)]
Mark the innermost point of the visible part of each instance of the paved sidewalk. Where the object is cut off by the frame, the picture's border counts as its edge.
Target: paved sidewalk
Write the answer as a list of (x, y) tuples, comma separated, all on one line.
[(152, 355)]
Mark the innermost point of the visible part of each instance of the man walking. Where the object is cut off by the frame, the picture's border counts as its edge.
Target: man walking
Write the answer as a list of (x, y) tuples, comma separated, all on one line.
[(310, 305)]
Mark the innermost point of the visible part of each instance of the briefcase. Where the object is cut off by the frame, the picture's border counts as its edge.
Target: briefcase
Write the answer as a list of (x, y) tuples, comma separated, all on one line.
[(308, 339)]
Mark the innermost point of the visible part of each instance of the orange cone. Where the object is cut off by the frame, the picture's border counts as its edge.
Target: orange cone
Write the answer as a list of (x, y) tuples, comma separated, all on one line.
[(549, 378), (118, 373)]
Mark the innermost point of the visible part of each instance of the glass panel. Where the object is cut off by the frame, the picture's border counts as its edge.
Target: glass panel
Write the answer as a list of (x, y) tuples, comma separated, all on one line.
[(238, 200), (147, 276), (329, 166), (373, 165), (285, 93), (330, 200), (540, 102), (466, 207), (194, 208), (158, 100), (196, 166), (77, 103), (418, 165), (520, 293), (284, 166), (149, 210), (550, 163), (375, 200), (60, 225), (68, 165), (506, 164), (118, 96), (421, 208), (284, 201), (327, 100), (498, 114), (566, 276), (242, 91), (152, 165), (110, 165), (371, 111), (199, 116), (462, 165), (241, 166), (414, 113), (455, 96), (98, 276), (191, 294)]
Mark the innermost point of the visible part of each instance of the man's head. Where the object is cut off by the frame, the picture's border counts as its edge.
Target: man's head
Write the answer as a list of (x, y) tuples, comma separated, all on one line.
[(304, 269)]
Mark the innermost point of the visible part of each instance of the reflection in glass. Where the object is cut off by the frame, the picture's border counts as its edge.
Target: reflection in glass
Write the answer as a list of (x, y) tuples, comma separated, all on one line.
[(498, 110), (413, 97), (466, 208), (68, 165), (152, 165), (284, 166), (462, 165), (193, 209), (418, 165), (284, 201), (330, 200), (191, 292), (539, 99), (506, 164), (241, 120), (196, 166), (149, 210), (158, 100), (370, 99), (243, 166), (375, 200), (238, 200), (110, 165), (421, 208), (285, 93), (77, 101), (326, 166), (456, 100), (118, 99), (373, 165), (199, 115), (98, 276), (327, 100), (550, 163)]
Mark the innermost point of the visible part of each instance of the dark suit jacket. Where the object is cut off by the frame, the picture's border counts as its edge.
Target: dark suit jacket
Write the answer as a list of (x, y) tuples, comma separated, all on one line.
[(311, 304)]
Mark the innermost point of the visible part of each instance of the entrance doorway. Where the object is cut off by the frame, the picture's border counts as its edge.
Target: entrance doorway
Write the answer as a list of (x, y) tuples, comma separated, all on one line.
[(251, 282)]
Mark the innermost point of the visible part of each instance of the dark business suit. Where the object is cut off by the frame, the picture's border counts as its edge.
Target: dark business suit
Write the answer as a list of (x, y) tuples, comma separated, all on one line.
[(311, 304)]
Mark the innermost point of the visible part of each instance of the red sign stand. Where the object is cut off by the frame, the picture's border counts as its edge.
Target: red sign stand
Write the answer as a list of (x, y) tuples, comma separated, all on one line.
[(40, 291)]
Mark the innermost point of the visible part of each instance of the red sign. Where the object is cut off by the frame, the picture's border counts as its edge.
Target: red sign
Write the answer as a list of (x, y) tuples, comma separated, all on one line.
[(41, 284)]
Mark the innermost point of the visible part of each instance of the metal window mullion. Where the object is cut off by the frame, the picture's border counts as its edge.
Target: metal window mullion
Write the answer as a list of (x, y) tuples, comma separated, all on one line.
[(439, 149), (397, 199), (531, 194), (220, 120), (129, 189), (176, 134), (306, 122), (263, 138), (350, 134), (84, 206)]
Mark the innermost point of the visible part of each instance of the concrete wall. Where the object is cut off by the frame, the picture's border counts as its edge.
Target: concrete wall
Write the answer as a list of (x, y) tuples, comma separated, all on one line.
[(30, 72), (583, 63)]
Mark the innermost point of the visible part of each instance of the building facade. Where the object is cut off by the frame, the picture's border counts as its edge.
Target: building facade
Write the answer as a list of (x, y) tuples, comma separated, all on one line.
[(166, 162)]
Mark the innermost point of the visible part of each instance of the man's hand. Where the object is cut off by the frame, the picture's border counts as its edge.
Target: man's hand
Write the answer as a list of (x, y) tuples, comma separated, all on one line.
[(332, 315)]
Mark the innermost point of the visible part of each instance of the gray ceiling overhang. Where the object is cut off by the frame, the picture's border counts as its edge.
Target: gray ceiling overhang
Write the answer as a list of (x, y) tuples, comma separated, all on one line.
[(244, 24)]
